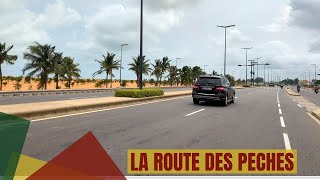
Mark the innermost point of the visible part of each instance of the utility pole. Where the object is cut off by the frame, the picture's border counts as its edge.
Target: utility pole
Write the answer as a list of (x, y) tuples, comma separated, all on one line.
[(122, 45), (141, 46), (247, 64), (225, 46)]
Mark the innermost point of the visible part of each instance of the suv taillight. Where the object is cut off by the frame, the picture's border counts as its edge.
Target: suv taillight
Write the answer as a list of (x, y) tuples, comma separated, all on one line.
[(196, 87), (221, 89)]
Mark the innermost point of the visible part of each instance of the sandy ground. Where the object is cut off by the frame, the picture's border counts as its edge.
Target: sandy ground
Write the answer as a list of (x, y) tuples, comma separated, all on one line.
[(51, 86)]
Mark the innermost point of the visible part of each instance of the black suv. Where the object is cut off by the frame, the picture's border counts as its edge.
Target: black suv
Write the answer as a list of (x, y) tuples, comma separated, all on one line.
[(213, 88)]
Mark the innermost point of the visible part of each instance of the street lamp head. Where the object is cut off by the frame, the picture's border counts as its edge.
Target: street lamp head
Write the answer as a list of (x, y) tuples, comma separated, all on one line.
[(124, 44), (247, 48), (239, 65), (226, 26), (267, 64)]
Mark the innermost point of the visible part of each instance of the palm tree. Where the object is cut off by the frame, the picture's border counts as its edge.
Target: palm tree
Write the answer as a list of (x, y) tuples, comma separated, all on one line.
[(71, 70), (196, 73), (4, 57), (107, 65), (135, 66), (58, 68), (42, 60), (165, 64), (186, 76), (157, 70), (172, 75)]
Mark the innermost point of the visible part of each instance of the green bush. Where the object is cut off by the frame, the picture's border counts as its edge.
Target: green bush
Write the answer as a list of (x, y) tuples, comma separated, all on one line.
[(124, 83), (246, 86), (137, 93)]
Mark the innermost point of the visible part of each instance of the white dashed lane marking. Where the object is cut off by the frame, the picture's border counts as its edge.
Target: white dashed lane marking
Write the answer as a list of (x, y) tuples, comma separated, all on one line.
[(282, 122), (195, 112), (286, 141)]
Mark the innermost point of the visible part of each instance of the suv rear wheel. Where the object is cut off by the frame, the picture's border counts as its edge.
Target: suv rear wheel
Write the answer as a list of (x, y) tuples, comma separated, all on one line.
[(225, 101), (196, 101)]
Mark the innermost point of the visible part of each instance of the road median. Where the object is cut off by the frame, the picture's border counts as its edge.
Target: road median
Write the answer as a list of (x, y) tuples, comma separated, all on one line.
[(39, 110), (291, 92)]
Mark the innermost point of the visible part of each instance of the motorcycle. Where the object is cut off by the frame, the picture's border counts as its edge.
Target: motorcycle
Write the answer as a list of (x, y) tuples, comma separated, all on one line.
[(298, 89), (281, 87), (316, 89)]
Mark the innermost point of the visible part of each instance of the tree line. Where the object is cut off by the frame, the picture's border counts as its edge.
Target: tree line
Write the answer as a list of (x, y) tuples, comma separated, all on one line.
[(45, 64)]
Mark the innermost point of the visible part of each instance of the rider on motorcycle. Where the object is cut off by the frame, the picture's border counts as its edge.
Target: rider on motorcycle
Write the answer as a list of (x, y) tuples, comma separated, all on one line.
[(298, 88)]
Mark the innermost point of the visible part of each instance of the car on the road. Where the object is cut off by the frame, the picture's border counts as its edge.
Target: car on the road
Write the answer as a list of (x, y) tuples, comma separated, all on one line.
[(213, 88), (271, 85)]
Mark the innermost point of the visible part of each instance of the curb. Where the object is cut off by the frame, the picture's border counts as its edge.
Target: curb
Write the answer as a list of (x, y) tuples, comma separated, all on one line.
[(37, 114), (67, 91), (315, 115), (292, 94)]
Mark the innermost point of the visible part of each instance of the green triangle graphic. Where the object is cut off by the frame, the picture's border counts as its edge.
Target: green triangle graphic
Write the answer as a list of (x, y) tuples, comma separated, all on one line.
[(13, 132)]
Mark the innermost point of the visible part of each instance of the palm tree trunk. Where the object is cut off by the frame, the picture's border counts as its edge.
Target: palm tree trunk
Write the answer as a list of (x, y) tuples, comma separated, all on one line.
[(138, 78), (0, 78), (69, 83), (57, 81), (111, 80), (107, 80)]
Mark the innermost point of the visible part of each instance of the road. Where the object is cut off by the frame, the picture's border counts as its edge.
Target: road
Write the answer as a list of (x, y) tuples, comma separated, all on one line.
[(61, 97), (309, 95), (253, 122)]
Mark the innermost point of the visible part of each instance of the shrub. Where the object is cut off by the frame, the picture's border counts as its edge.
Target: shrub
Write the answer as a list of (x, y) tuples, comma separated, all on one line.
[(30, 87), (246, 86), (17, 86), (137, 93), (5, 83), (99, 84), (124, 83)]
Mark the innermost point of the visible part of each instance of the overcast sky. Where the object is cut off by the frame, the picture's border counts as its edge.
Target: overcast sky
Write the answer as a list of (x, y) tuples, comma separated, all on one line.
[(284, 32)]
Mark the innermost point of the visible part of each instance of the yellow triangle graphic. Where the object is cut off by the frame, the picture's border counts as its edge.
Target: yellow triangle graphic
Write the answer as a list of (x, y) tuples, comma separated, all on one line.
[(27, 166)]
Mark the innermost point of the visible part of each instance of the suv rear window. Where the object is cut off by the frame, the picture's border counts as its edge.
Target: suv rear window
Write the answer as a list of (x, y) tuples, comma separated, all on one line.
[(209, 81)]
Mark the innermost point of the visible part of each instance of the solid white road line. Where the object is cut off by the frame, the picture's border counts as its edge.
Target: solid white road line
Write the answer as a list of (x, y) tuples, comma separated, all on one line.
[(279, 106), (282, 122), (286, 141), (299, 105), (314, 118), (280, 111), (102, 110), (195, 112)]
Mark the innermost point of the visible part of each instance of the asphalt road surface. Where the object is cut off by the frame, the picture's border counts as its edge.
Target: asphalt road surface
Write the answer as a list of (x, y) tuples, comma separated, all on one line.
[(255, 121), (61, 97), (309, 95)]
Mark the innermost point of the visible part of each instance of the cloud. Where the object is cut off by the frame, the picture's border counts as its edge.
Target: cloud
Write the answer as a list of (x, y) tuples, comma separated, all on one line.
[(117, 23), (29, 26), (234, 37), (281, 23), (304, 15)]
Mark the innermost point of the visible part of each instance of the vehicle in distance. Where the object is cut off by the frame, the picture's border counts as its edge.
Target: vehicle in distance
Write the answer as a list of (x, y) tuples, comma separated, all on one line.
[(213, 88), (271, 85)]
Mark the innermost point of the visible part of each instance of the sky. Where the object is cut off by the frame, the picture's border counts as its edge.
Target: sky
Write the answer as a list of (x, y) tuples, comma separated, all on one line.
[(285, 33)]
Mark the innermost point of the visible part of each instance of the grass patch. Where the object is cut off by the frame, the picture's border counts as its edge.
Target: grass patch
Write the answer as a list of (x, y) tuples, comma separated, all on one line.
[(137, 93)]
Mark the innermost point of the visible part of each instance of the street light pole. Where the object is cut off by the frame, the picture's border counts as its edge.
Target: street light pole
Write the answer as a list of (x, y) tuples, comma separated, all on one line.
[(252, 73), (141, 45), (257, 59), (177, 68), (225, 46), (315, 73), (247, 64), (122, 45), (204, 69)]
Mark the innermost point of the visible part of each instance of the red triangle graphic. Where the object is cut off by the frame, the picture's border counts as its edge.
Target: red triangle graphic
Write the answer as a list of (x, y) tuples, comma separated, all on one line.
[(85, 159)]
